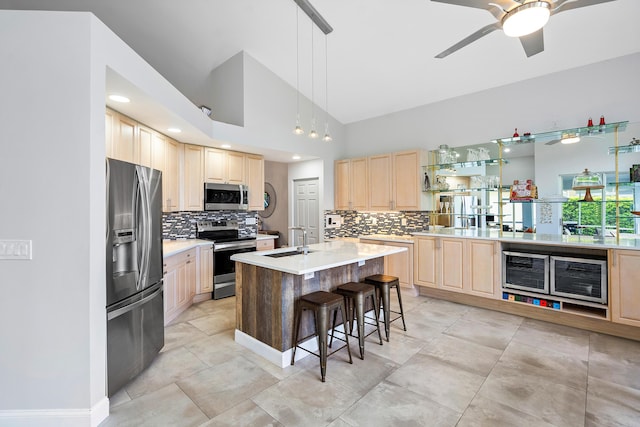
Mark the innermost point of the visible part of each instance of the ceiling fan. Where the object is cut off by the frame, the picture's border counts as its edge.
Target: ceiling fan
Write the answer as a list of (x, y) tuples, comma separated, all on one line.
[(517, 18)]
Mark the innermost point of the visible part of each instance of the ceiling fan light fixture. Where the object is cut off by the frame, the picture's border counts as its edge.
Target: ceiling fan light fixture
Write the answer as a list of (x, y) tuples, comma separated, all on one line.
[(526, 19)]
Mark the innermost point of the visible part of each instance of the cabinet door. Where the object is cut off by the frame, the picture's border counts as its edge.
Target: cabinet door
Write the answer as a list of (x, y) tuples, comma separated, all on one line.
[(453, 252), (406, 170), (625, 291), (342, 184), (359, 188), (254, 171), (206, 270), (400, 264), (265, 245), (235, 167), (191, 271), (380, 183), (124, 139), (170, 177), (215, 167), (482, 268), (108, 132), (193, 190), (170, 282), (425, 263), (145, 147)]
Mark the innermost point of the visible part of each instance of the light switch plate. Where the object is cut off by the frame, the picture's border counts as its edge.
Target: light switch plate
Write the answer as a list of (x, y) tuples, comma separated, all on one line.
[(15, 249), (250, 221)]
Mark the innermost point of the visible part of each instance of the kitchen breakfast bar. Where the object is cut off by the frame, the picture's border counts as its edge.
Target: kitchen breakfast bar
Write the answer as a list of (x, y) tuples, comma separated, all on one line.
[(268, 284)]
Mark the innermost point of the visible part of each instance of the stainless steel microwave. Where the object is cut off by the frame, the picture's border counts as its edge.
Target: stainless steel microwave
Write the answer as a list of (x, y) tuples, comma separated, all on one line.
[(231, 197)]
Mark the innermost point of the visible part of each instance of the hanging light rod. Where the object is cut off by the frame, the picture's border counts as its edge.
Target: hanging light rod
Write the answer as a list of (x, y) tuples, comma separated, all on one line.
[(314, 15)]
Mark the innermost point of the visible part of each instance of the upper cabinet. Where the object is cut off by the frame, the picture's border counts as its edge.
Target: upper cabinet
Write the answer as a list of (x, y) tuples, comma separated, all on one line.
[(380, 183), (124, 138), (351, 182), (254, 178), (226, 167), (193, 177)]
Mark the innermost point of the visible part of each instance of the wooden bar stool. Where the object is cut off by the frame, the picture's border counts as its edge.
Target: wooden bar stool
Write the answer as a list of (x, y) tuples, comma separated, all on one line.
[(383, 284), (321, 304), (355, 296)]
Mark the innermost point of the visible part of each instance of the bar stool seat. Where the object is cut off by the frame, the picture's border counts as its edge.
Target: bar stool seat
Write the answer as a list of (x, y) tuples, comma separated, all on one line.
[(383, 284), (321, 303), (355, 295)]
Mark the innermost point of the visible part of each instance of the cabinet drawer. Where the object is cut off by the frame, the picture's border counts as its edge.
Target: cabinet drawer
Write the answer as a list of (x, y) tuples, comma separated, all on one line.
[(179, 258), (266, 244)]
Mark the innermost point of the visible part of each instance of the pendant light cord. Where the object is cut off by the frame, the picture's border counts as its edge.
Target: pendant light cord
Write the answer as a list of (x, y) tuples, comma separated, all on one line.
[(297, 64)]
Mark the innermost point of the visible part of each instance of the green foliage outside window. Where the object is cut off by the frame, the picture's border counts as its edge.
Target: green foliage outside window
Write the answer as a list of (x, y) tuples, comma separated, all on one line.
[(591, 214)]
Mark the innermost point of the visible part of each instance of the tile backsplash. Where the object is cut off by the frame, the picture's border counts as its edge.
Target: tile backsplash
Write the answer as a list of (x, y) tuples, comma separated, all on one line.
[(356, 223), (182, 225)]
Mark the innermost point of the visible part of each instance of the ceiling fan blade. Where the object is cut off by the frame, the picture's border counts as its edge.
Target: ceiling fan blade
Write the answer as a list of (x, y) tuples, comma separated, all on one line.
[(555, 141), (563, 6), (480, 4), (533, 43), (470, 39)]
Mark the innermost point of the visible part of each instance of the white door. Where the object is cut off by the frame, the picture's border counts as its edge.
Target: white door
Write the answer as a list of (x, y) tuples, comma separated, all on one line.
[(306, 202)]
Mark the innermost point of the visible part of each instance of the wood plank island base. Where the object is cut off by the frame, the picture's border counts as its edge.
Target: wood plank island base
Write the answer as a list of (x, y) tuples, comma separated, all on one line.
[(267, 289)]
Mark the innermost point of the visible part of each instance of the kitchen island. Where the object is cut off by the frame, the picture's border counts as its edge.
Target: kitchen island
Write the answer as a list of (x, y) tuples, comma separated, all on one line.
[(268, 285)]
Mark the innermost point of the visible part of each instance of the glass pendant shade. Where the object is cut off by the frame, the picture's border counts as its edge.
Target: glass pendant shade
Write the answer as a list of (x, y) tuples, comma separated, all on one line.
[(526, 19)]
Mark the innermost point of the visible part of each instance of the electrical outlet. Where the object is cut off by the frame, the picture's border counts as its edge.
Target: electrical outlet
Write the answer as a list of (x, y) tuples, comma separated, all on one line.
[(403, 222), (250, 221), (15, 249)]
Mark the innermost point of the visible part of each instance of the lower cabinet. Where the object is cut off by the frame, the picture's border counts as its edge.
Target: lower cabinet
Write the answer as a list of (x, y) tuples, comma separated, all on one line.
[(179, 283), (205, 279), (465, 265), (265, 244), (625, 292), (400, 264)]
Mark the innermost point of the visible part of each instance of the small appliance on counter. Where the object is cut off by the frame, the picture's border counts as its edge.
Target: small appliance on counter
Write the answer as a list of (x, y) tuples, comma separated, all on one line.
[(226, 239), (135, 308)]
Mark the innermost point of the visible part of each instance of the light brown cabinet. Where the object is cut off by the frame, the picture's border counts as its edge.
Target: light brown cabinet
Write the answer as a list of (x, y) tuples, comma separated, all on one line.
[(265, 244), (193, 188), (470, 266), (351, 184), (625, 289), (123, 138), (205, 279), (170, 176), (254, 178), (381, 182), (179, 283), (399, 265), (426, 262), (226, 167)]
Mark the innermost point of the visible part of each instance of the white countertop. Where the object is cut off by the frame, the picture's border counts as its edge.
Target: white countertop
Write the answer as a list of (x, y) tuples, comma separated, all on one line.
[(173, 247), (322, 256), (388, 238), (261, 236), (542, 239)]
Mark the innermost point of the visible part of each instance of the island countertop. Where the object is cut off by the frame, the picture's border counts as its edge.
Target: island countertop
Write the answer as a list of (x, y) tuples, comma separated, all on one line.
[(321, 256)]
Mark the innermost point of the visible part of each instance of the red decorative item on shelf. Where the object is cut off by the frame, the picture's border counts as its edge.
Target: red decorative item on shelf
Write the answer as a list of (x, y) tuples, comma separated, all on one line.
[(516, 134), (602, 123), (590, 122)]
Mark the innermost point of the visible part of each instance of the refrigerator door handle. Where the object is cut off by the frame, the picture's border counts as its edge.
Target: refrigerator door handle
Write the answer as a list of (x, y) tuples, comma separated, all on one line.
[(143, 212), (130, 307)]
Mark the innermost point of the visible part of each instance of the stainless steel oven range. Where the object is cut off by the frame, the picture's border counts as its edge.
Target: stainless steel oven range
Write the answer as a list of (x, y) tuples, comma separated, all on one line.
[(226, 242)]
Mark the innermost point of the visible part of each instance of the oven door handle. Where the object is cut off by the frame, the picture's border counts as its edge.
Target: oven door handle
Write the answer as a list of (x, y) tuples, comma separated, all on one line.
[(219, 247)]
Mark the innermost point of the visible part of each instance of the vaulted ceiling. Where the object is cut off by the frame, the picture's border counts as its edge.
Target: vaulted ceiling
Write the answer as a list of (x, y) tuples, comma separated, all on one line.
[(380, 56)]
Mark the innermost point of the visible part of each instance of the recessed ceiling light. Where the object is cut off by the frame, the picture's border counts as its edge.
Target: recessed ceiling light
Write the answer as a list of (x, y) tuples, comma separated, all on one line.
[(295, 157), (119, 98), (225, 146), (174, 130)]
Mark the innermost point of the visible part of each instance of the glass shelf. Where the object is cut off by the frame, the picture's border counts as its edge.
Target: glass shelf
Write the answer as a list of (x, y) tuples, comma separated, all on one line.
[(624, 149), (466, 191), (489, 162), (557, 134)]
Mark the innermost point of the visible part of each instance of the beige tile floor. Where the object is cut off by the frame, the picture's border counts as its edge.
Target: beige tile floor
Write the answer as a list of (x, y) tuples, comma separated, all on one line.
[(454, 366)]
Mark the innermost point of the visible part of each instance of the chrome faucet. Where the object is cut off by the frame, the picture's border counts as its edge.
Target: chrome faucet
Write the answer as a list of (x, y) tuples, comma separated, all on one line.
[(304, 249)]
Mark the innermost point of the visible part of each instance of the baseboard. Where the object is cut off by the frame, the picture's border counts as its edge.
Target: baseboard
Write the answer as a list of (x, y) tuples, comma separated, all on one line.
[(56, 417), (278, 358)]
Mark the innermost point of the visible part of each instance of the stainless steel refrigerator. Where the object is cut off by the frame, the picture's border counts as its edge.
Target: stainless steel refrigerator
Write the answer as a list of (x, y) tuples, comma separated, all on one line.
[(135, 309)]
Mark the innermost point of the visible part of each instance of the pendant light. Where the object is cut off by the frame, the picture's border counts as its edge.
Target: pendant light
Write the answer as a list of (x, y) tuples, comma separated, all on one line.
[(327, 135), (298, 129), (312, 133)]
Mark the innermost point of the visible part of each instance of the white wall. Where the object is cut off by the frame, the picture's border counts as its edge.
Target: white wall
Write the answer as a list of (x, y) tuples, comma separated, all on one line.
[(560, 100), (53, 320), (226, 86)]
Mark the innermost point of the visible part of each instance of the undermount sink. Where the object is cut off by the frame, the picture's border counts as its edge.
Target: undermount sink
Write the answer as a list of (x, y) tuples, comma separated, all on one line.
[(287, 253)]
